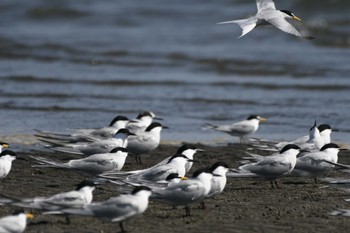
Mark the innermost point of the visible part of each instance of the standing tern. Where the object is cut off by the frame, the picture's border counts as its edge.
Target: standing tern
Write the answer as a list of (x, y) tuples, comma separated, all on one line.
[(314, 164), (240, 129), (120, 139), (142, 121), (268, 15), (176, 164), (186, 192), (81, 135), (116, 209), (189, 151), (270, 167), (92, 165), (72, 199), (15, 223), (218, 180), (6, 158), (145, 142)]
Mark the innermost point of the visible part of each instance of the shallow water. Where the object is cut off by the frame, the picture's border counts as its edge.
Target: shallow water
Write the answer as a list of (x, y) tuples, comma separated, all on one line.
[(69, 64)]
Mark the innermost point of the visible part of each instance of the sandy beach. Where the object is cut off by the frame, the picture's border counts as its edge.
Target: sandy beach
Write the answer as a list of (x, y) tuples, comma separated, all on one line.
[(246, 205)]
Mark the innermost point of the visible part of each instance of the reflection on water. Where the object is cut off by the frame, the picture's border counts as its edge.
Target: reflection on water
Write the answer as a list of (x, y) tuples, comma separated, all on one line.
[(68, 64)]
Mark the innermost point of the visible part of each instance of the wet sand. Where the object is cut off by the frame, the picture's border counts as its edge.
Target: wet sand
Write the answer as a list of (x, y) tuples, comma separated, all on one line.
[(246, 205)]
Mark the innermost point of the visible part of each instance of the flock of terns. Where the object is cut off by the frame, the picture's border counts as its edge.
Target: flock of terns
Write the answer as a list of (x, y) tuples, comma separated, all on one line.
[(104, 151)]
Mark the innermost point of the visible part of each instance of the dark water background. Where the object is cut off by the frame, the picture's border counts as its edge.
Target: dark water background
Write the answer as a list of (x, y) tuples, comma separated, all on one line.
[(67, 64)]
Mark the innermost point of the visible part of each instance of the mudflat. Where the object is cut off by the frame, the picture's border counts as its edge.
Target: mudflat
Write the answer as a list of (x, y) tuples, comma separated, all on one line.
[(246, 205)]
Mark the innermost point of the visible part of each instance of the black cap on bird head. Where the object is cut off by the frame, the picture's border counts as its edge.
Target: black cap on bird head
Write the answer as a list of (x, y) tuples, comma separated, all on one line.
[(185, 147), (8, 152), (288, 147), (324, 127), (85, 183), (172, 176), (218, 164), (251, 117), (118, 118), (200, 171), (145, 113), (116, 149), (177, 156), (155, 125), (329, 146), (140, 188)]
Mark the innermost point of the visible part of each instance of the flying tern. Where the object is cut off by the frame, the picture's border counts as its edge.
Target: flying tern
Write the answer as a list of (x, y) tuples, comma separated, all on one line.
[(268, 15), (240, 129)]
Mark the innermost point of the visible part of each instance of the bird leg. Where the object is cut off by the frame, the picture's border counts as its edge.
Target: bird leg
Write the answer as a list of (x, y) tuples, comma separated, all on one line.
[(67, 220), (274, 182), (187, 211), (122, 230), (316, 181), (203, 206)]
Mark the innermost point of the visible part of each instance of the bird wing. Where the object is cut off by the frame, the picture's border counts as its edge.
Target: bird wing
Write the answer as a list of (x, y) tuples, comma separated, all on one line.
[(270, 166), (241, 128), (283, 25), (265, 4)]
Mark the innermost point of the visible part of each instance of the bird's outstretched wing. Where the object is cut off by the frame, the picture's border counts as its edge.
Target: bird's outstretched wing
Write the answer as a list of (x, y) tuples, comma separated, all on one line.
[(284, 25), (265, 4)]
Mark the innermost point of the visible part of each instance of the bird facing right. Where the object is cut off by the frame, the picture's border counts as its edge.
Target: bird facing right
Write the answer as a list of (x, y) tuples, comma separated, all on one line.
[(268, 15)]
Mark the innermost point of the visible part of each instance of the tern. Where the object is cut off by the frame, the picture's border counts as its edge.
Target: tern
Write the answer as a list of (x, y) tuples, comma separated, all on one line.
[(6, 158), (268, 15), (145, 142), (270, 167), (120, 139), (82, 135), (72, 199), (116, 209), (240, 129), (142, 121), (92, 165), (189, 151), (218, 180), (15, 223), (314, 164), (176, 164), (186, 192)]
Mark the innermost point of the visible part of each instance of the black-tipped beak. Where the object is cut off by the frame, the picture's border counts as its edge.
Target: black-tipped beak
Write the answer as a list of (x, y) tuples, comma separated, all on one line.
[(216, 175), (158, 118), (344, 149), (200, 150), (165, 127), (336, 130), (304, 151)]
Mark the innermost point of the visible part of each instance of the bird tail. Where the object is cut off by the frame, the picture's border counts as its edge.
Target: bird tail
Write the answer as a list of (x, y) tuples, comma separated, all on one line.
[(68, 150), (43, 162), (246, 24), (209, 126), (240, 174)]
